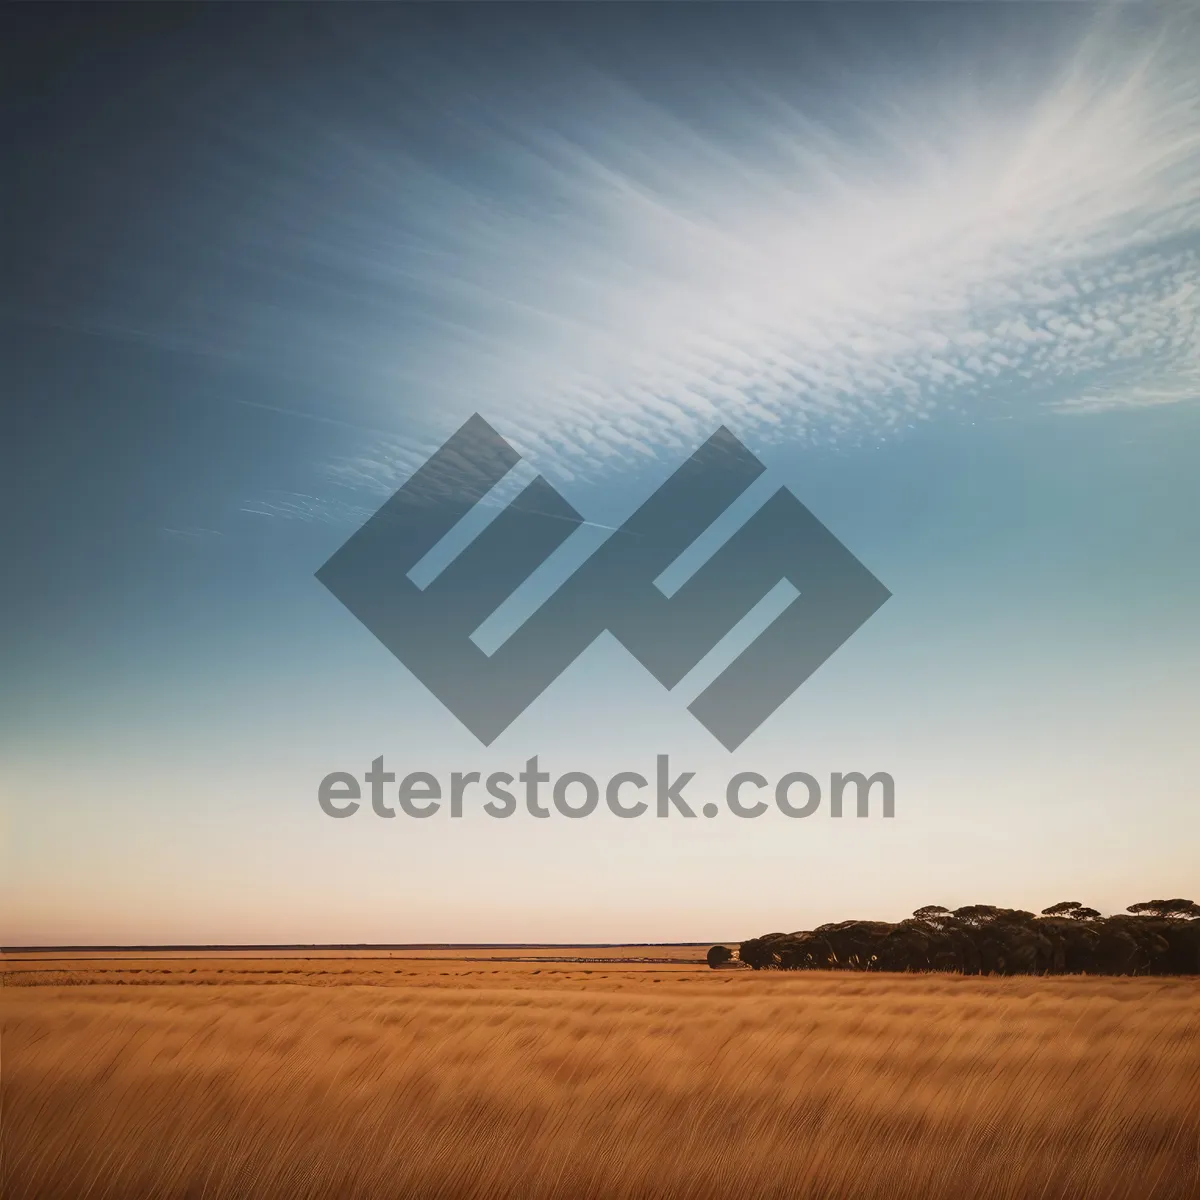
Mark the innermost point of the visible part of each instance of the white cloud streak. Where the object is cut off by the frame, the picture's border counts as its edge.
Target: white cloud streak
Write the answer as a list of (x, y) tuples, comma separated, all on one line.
[(614, 277), (977, 244)]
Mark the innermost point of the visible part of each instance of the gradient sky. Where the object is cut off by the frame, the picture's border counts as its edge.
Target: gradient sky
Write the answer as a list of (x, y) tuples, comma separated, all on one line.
[(937, 266)]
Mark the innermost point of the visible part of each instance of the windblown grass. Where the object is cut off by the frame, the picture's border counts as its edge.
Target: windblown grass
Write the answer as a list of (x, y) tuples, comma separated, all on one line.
[(518, 1080)]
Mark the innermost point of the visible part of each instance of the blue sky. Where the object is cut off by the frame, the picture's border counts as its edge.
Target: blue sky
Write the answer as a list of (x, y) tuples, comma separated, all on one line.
[(938, 267)]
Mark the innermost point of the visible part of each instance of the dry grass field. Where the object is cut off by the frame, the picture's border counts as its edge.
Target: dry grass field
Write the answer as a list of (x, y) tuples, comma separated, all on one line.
[(426, 1075)]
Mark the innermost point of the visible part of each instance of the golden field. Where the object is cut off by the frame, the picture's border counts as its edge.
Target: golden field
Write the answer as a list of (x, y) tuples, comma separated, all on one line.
[(431, 1074)]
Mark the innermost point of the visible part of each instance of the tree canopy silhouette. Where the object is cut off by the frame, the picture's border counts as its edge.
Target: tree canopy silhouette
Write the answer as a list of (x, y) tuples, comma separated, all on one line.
[(1153, 937)]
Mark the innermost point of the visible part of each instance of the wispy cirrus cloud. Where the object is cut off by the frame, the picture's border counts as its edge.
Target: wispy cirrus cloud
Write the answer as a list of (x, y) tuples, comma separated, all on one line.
[(610, 266), (960, 240)]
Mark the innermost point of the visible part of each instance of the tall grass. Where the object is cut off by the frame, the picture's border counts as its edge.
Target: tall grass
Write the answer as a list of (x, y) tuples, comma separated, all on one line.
[(659, 1081)]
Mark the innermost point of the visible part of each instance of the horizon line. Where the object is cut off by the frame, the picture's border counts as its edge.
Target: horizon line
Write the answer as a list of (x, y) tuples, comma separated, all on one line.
[(358, 946)]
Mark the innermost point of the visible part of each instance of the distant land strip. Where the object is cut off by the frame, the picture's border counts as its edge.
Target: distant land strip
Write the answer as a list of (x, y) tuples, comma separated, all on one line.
[(361, 946)]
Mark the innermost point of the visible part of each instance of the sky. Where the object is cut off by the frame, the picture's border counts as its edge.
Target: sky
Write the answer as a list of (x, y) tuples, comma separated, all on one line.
[(936, 266)]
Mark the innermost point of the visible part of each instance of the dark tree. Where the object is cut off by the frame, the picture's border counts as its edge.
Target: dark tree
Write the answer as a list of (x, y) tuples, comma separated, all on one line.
[(1072, 909), (719, 956), (932, 912), (1176, 909), (978, 914), (1155, 937)]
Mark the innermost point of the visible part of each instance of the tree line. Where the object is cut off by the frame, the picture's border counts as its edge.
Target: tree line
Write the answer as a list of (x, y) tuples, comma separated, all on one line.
[(1154, 937)]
